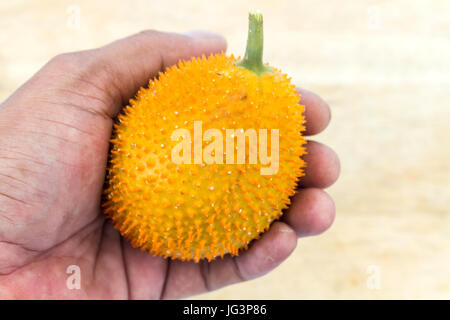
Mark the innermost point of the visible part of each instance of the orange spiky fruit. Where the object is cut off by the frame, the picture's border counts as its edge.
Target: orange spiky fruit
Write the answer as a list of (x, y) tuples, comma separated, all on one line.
[(204, 208)]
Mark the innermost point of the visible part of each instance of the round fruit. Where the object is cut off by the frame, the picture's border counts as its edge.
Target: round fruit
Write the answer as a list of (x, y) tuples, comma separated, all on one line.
[(179, 182)]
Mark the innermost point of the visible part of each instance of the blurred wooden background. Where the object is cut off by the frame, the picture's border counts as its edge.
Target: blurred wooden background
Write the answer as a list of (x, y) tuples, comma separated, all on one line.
[(384, 67)]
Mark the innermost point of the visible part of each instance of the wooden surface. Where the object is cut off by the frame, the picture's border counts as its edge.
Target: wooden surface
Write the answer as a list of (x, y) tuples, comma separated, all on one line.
[(383, 66)]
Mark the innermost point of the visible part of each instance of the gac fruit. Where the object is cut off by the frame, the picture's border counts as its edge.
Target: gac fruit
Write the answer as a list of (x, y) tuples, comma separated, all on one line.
[(206, 203)]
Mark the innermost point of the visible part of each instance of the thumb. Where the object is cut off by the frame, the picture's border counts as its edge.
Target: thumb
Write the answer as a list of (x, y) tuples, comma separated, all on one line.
[(123, 66)]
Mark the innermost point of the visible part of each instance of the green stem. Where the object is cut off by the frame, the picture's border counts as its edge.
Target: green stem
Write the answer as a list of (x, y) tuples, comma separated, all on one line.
[(253, 53)]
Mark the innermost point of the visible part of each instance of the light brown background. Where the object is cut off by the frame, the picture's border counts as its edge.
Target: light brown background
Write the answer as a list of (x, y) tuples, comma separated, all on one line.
[(384, 68)]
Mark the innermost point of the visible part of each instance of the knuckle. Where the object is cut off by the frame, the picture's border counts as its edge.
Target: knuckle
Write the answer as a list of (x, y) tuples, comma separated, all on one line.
[(150, 32), (82, 64), (71, 61)]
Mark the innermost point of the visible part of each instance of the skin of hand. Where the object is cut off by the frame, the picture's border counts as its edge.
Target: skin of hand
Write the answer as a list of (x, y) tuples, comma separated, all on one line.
[(54, 139)]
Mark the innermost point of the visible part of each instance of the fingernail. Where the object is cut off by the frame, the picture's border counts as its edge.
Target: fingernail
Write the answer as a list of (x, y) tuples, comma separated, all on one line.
[(285, 230)]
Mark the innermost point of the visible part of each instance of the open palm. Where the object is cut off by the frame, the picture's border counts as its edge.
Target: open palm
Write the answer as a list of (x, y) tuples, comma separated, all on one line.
[(54, 139)]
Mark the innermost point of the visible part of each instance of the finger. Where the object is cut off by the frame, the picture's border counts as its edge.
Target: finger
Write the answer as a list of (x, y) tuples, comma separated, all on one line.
[(263, 256), (183, 279), (317, 112), (268, 252), (134, 60), (312, 212), (187, 278), (322, 166), (143, 269)]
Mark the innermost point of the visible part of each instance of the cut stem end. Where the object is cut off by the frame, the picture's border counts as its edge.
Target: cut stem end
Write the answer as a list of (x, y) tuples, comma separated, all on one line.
[(254, 52)]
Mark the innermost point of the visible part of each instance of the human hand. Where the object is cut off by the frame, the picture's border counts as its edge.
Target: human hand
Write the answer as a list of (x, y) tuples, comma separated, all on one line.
[(54, 139)]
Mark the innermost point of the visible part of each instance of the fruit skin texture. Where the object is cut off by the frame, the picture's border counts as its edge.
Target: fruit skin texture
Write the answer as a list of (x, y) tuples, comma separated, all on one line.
[(193, 211)]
